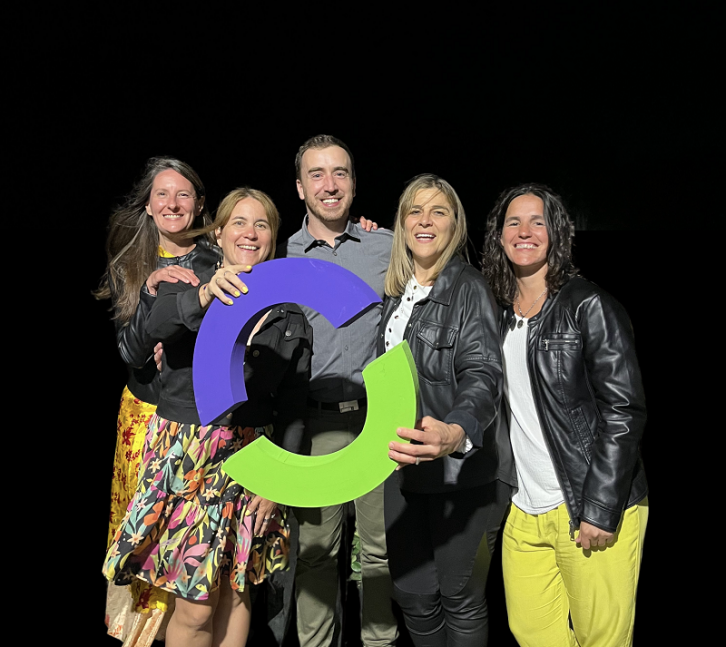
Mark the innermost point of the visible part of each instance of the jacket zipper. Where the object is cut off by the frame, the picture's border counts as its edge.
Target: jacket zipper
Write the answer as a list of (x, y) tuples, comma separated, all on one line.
[(558, 342), (545, 434)]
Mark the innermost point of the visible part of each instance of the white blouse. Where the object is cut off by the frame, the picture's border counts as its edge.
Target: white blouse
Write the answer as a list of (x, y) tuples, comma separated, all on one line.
[(396, 325)]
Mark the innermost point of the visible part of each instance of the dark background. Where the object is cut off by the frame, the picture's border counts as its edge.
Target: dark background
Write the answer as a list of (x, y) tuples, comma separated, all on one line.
[(610, 109)]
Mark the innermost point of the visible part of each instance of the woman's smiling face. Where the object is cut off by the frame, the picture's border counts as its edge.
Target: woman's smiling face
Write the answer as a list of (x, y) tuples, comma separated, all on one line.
[(524, 232), (173, 203), (429, 227), (246, 239)]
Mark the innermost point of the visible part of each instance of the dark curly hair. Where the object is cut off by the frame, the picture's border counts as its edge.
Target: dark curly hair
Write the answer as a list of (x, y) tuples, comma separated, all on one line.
[(497, 268)]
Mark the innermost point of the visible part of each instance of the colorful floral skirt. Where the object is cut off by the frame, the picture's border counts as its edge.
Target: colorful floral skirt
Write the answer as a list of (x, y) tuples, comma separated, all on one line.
[(188, 524), (133, 419)]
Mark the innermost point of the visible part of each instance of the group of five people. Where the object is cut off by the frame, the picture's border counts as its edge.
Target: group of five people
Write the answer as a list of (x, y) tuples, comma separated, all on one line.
[(530, 411)]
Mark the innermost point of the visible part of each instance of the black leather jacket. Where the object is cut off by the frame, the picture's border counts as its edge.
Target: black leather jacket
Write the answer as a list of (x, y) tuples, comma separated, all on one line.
[(589, 398), (134, 343), (453, 335)]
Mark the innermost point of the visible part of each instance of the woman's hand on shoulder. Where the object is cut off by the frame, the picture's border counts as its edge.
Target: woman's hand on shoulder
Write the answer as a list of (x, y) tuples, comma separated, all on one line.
[(224, 285), (593, 537), (170, 274), (266, 511), (434, 439)]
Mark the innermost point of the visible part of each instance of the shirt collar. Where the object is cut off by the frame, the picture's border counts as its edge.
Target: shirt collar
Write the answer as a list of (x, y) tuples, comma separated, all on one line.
[(309, 242)]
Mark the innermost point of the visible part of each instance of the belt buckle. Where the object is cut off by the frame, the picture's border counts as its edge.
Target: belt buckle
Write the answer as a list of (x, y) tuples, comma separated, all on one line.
[(348, 405)]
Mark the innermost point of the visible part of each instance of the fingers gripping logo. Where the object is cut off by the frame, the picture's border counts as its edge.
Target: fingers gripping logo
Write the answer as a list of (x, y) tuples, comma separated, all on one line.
[(218, 372)]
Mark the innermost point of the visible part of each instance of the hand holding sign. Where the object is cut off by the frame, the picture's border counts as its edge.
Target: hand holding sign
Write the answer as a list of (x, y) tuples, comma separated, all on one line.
[(391, 383)]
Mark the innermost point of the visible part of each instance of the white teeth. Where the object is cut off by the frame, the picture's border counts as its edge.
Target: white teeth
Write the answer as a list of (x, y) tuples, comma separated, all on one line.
[(523, 246), (330, 200), (250, 247), (425, 236)]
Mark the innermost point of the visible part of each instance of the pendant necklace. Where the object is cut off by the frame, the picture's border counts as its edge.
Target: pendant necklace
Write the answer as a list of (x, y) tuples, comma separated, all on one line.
[(520, 323)]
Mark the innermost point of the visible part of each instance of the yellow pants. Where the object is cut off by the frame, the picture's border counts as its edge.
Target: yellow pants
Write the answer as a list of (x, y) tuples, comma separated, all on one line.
[(549, 580)]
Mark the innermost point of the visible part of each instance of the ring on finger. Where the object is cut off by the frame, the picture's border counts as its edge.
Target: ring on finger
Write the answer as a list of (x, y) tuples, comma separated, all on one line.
[(418, 460)]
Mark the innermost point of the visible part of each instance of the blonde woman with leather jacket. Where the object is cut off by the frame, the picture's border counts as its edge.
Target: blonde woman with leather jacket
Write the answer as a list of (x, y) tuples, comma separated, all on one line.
[(573, 539), (444, 504), (146, 246)]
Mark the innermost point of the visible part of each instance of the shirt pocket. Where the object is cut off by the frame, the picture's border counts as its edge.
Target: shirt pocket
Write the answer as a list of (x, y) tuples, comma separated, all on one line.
[(273, 347), (294, 332), (435, 355)]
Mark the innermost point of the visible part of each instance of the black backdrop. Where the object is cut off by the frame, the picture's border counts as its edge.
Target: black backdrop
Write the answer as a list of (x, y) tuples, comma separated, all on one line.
[(600, 107)]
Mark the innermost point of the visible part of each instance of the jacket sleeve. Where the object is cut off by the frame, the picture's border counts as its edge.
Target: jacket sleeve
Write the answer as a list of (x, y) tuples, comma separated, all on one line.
[(132, 340), (477, 361), (292, 392), (614, 375), (175, 311)]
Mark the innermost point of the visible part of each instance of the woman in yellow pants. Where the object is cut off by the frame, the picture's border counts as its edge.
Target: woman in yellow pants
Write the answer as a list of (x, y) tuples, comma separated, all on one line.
[(573, 539)]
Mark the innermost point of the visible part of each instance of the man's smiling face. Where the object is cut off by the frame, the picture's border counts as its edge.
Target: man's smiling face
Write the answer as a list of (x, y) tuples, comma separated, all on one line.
[(326, 183)]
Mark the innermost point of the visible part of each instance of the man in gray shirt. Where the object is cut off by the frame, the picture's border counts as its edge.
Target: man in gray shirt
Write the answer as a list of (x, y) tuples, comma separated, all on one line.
[(337, 404)]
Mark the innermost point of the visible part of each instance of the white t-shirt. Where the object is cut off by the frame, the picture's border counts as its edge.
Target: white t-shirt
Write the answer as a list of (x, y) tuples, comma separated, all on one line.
[(539, 490)]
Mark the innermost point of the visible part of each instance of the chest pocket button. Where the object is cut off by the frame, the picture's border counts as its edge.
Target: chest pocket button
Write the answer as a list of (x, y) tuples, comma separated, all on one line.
[(255, 353)]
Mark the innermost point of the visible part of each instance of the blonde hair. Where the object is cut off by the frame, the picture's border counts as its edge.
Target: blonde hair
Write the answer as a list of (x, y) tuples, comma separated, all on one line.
[(401, 268), (229, 202)]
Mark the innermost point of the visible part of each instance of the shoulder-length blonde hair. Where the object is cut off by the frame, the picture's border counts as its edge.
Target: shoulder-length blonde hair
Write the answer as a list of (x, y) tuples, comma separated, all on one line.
[(400, 269), (229, 202)]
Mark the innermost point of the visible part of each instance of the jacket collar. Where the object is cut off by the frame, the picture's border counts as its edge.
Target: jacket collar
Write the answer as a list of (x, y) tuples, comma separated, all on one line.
[(201, 247), (443, 291), (546, 307)]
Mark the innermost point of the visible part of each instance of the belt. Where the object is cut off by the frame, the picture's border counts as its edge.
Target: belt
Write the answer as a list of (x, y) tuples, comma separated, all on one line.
[(340, 407)]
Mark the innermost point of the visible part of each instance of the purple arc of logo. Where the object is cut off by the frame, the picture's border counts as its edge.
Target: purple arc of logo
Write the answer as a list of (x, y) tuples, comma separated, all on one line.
[(218, 367)]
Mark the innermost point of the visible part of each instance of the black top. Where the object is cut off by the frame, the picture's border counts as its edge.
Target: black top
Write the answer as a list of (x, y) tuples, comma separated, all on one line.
[(277, 365), (132, 340)]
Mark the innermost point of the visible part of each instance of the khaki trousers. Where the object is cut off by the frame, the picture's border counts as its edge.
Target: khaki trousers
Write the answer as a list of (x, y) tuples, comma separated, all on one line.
[(316, 575)]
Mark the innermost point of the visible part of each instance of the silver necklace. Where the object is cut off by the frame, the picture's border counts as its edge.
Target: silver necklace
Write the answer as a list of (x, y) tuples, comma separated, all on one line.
[(520, 323)]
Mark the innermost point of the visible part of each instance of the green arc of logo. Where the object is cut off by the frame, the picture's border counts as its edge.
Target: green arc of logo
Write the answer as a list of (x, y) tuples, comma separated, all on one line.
[(316, 481)]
